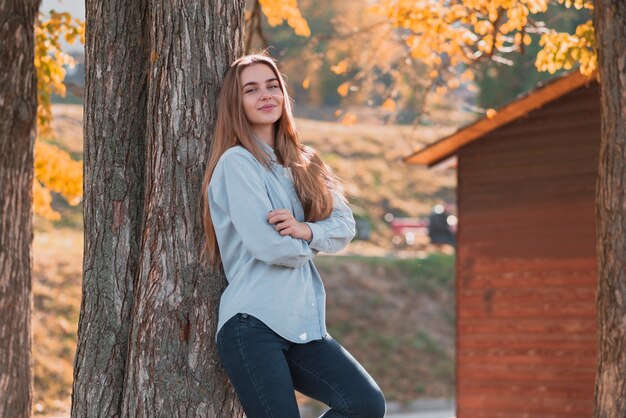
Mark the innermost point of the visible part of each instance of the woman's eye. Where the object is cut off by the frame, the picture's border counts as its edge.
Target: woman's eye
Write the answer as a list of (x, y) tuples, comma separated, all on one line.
[(273, 87), (250, 91)]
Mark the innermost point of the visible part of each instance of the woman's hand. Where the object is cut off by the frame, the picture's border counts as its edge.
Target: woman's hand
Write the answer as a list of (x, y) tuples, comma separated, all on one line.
[(286, 224)]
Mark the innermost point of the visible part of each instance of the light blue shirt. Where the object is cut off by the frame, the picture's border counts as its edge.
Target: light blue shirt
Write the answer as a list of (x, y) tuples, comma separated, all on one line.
[(271, 276)]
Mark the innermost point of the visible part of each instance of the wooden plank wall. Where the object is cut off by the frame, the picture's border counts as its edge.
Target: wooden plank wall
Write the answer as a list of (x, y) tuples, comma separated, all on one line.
[(526, 270)]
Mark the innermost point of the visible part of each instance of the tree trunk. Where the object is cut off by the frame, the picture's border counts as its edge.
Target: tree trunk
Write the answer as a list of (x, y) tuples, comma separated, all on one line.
[(18, 107), (148, 315), (610, 396), (173, 365), (115, 118)]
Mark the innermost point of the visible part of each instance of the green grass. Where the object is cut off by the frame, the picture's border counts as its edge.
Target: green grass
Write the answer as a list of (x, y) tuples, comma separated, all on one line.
[(424, 342), (444, 369), (397, 318), (427, 275), (340, 329)]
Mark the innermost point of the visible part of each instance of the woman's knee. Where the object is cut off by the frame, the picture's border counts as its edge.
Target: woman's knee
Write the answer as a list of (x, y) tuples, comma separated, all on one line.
[(372, 405)]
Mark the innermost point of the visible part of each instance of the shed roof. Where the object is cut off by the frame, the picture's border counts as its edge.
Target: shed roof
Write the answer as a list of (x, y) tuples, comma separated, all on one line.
[(525, 103)]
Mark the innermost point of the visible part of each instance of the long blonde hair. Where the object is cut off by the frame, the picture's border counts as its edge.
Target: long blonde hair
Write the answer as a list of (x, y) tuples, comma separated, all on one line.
[(313, 178)]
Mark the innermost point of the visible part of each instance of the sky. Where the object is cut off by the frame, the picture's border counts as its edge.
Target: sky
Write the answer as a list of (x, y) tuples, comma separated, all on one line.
[(76, 8)]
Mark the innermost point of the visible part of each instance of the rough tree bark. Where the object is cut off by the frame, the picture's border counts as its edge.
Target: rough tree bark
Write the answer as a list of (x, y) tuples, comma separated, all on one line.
[(18, 110), (116, 56), (148, 316), (610, 396)]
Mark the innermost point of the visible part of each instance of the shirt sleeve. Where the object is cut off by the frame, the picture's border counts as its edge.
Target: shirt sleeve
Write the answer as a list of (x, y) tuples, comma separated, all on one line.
[(334, 233), (239, 186)]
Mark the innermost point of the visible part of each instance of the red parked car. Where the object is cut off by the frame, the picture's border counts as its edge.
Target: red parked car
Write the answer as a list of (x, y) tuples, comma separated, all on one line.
[(406, 229)]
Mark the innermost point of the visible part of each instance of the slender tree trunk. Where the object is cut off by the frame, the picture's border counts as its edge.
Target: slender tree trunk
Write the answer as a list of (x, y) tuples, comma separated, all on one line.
[(148, 316), (18, 110), (116, 55), (610, 24), (173, 365)]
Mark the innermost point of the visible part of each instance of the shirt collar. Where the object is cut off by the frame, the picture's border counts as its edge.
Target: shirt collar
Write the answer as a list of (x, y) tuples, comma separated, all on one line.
[(269, 150)]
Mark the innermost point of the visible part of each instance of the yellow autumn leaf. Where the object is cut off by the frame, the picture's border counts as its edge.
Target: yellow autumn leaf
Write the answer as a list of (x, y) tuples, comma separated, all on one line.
[(340, 67), (349, 119), (306, 83), (278, 11), (490, 113), (563, 50), (537, 6), (343, 89), (42, 202), (57, 171), (467, 75), (453, 83), (389, 105), (70, 37)]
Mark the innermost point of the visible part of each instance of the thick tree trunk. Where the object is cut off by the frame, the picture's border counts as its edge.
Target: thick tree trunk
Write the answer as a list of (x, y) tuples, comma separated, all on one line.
[(116, 54), (173, 365), (18, 110), (610, 24), (149, 307)]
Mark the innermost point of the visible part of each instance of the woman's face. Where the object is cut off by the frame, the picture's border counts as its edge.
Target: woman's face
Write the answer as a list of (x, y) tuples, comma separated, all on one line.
[(262, 96)]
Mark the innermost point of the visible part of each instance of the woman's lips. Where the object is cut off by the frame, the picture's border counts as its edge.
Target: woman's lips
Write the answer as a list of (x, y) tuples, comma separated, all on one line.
[(267, 108)]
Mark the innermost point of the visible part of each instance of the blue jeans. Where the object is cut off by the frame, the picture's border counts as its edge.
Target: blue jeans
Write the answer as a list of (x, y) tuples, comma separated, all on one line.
[(265, 368)]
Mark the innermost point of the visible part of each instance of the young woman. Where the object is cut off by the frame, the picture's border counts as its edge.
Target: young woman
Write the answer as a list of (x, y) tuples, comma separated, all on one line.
[(270, 205)]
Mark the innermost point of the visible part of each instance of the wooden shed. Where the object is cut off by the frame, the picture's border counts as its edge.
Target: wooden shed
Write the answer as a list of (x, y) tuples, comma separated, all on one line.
[(526, 257)]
